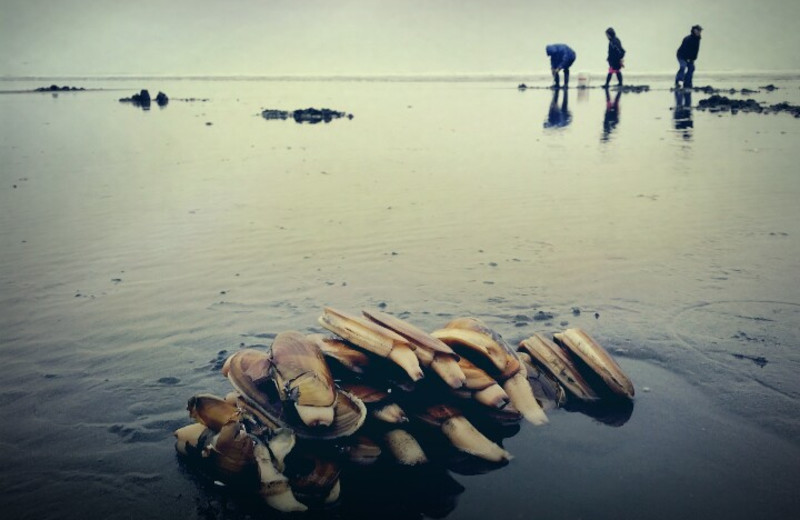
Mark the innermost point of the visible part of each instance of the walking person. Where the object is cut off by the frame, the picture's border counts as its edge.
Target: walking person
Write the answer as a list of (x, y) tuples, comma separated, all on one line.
[(687, 55), (561, 58), (615, 54)]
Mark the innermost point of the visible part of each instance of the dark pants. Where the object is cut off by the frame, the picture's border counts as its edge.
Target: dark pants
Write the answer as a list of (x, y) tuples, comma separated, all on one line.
[(685, 73), (619, 78), (566, 75)]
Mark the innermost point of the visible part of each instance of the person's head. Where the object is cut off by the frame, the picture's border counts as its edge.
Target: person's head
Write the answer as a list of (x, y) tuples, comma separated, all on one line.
[(550, 49), (696, 30), (610, 33)]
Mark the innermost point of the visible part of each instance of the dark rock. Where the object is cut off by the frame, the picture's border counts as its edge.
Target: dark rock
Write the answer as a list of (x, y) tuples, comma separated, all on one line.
[(708, 89), (56, 88), (162, 99), (770, 87), (785, 107), (717, 103), (275, 114), (522, 86), (306, 115), (142, 99), (314, 115), (636, 89)]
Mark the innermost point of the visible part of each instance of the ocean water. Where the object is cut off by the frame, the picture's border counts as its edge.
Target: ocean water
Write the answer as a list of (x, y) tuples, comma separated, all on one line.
[(139, 247)]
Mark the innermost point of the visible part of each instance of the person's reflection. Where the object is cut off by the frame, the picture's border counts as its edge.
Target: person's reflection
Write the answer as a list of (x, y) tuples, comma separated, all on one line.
[(682, 115), (611, 117), (558, 117)]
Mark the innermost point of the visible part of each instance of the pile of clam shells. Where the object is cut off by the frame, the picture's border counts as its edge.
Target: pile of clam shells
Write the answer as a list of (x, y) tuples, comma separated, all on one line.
[(304, 408)]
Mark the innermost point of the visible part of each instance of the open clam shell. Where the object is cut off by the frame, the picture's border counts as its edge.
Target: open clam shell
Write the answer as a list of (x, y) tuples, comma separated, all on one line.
[(302, 376), (430, 351), (212, 411), (374, 338), (260, 394), (580, 343), (472, 335), (552, 358), (546, 388)]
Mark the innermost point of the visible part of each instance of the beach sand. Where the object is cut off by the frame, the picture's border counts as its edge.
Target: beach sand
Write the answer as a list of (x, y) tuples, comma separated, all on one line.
[(139, 248)]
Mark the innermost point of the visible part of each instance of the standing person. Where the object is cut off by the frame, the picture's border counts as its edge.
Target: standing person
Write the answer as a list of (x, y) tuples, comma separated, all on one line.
[(615, 55), (687, 54), (561, 58)]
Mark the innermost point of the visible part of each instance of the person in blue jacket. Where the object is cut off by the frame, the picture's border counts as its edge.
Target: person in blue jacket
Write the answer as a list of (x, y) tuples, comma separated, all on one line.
[(687, 54), (561, 58)]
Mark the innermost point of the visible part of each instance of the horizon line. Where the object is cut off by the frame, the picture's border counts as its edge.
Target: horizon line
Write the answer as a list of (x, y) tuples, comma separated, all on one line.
[(413, 76)]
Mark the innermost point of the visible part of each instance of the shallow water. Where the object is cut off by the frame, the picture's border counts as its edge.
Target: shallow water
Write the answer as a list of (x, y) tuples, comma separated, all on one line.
[(137, 245)]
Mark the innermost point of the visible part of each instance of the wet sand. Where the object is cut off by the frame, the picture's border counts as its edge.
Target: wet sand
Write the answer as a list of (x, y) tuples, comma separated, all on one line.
[(138, 248)]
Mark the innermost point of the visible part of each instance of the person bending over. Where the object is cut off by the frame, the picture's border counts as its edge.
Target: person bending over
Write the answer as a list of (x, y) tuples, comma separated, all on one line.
[(561, 58)]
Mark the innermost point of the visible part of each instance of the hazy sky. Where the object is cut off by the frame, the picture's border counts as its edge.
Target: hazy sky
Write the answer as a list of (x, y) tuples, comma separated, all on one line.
[(277, 37)]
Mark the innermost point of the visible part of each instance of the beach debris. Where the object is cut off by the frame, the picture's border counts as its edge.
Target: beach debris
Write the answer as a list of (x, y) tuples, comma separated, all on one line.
[(309, 407), (56, 88), (761, 361), (636, 89), (142, 99), (305, 115), (717, 103)]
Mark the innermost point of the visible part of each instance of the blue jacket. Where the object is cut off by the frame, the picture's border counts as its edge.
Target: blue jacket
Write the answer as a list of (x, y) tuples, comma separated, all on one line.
[(689, 48), (561, 56)]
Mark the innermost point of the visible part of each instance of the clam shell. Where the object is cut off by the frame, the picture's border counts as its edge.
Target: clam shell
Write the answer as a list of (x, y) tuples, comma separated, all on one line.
[(416, 336), (212, 411), (477, 378), (553, 359), (300, 371), (349, 357), (476, 342), (373, 338), (362, 450), (312, 477), (362, 332), (368, 394), (234, 449), (264, 400), (580, 343)]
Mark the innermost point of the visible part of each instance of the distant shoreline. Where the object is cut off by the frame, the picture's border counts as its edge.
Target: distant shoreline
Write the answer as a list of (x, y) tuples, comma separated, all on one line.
[(489, 77)]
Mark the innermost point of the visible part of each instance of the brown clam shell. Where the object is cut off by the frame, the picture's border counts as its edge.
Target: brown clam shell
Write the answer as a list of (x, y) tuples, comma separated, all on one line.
[(416, 336), (349, 357), (300, 371), (263, 398), (552, 358), (580, 343), (212, 411)]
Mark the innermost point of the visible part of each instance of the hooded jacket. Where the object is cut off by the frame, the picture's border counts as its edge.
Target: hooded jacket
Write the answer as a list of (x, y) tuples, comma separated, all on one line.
[(615, 52), (561, 56), (689, 48)]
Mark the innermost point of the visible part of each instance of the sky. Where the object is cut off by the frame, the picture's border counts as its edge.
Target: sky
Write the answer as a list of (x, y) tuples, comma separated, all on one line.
[(383, 37)]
